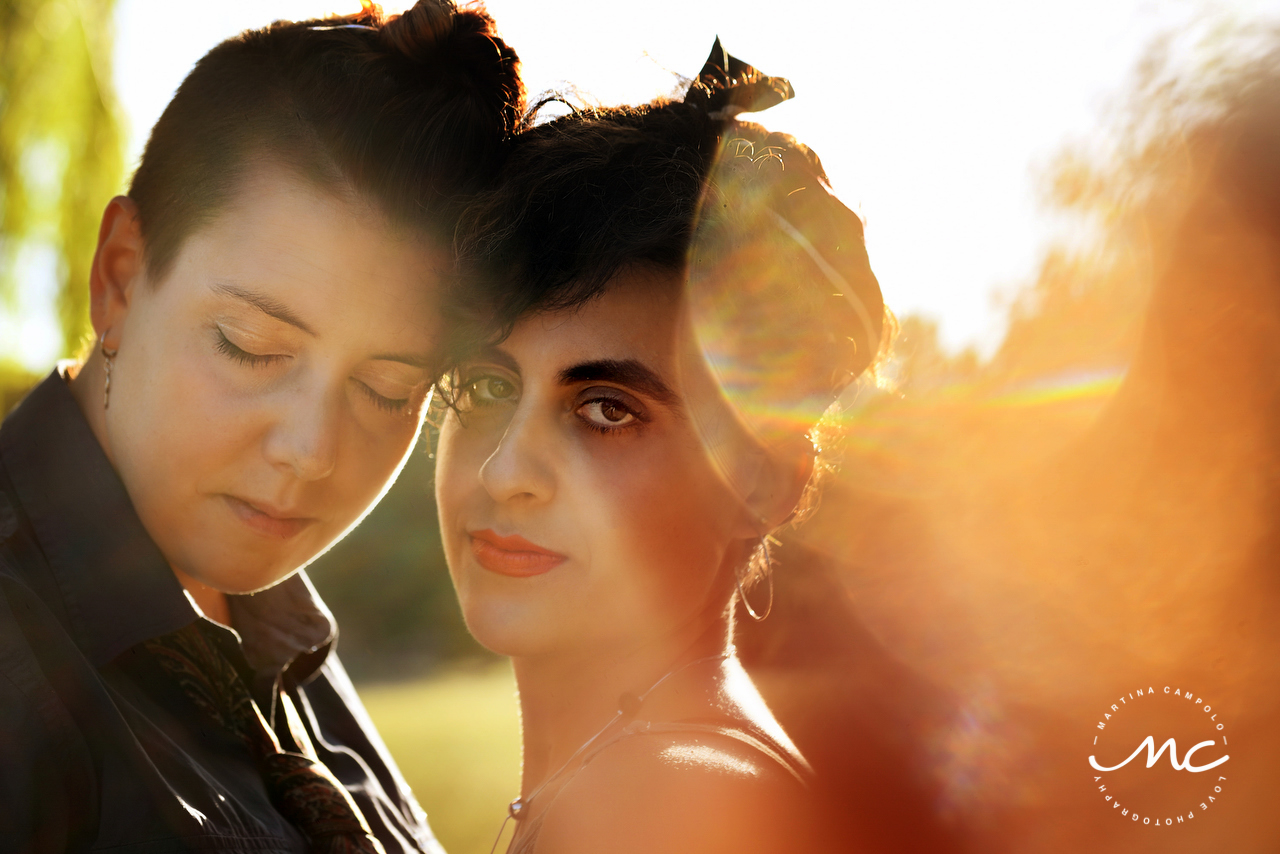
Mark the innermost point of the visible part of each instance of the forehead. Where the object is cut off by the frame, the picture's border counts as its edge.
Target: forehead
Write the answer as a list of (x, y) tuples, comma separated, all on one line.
[(333, 257), (638, 316)]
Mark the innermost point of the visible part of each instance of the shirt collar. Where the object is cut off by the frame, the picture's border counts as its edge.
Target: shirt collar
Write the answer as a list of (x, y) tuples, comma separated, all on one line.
[(282, 626), (116, 586)]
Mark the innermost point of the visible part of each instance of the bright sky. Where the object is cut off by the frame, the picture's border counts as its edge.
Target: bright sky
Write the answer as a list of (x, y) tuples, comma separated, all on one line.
[(935, 119)]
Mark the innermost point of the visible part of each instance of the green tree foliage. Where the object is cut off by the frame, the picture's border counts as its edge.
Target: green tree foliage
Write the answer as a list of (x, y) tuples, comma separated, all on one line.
[(60, 150)]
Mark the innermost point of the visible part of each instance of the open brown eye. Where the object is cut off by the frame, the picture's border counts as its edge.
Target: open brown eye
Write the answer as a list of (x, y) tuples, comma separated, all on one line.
[(606, 414), (612, 411)]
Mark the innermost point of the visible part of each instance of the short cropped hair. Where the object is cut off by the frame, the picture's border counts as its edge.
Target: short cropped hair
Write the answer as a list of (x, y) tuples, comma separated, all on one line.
[(409, 111)]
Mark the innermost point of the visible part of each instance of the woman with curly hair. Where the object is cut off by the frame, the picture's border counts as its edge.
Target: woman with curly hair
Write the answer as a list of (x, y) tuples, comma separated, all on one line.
[(674, 300)]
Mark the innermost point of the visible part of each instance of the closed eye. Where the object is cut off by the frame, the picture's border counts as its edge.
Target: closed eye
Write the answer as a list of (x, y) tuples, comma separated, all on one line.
[(387, 404), (244, 357)]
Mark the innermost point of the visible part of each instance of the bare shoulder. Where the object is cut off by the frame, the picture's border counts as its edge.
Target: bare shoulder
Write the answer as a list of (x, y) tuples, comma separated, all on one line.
[(678, 792)]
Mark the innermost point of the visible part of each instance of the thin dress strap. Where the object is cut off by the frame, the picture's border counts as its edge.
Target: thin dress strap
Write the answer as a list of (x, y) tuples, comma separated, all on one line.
[(526, 838)]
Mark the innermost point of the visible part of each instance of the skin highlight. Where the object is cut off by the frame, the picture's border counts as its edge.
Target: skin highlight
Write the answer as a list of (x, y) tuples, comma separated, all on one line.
[(266, 392)]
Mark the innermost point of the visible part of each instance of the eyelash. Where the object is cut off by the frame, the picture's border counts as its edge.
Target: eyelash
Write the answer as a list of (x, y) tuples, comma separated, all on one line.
[(639, 417), (470, 401), (254, 360), (386, 404), (244, 357)]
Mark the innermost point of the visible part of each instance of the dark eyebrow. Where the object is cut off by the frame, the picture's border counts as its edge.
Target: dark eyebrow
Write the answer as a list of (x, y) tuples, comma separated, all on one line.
[(264, 304), (625, 372)]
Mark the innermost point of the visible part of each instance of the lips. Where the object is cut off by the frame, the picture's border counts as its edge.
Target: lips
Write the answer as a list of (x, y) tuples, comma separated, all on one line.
[(267, 520), (513, 556)]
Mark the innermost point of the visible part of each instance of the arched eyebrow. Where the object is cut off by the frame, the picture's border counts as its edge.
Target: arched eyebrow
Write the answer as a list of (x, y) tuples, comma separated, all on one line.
[(265, 304), (625, 372)]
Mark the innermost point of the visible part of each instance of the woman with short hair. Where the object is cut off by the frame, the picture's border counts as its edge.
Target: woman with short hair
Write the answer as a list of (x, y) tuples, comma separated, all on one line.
[(266, 305)]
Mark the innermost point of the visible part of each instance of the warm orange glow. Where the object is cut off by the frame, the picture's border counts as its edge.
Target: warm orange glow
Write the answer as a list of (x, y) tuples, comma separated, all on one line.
[(1091, 511)]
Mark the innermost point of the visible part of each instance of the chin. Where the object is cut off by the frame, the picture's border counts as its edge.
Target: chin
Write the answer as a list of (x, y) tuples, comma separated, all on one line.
[(237, 577), (243, 585), (510, 628)]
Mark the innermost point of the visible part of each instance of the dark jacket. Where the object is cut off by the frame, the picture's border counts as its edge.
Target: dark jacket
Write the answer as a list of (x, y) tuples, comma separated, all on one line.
[(99, 747)]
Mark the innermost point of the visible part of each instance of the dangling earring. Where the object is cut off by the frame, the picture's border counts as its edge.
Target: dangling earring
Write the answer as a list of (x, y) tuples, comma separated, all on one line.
[(108, 356), (768, 571)]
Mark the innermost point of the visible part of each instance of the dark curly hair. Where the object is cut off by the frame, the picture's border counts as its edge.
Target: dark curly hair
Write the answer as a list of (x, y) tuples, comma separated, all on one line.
[(670, 185), (745, 218)]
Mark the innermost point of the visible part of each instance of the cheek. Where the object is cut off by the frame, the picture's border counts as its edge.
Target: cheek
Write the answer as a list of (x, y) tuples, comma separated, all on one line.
[(496, 615), (459, 456), (658, 524), (177, 435), (370, 450), (178, 422)]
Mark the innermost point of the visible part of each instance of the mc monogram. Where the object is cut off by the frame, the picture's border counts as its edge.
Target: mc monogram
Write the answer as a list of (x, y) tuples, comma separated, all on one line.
[(1156, 800), (1172, 746)]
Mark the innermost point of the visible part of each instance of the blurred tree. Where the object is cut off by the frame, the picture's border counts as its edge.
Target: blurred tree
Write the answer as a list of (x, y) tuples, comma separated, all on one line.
[(1128, 190), (60, 152)]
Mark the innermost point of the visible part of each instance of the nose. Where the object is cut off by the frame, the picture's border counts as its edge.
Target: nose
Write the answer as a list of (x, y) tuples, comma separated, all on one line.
[(304, 440), (520, 468)]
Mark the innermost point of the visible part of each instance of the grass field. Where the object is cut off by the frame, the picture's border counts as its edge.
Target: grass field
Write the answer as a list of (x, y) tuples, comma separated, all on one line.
[(456, 737)]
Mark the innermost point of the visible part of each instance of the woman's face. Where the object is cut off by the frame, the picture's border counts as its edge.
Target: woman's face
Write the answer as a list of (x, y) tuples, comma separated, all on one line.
[(577, 504), (267, 390)]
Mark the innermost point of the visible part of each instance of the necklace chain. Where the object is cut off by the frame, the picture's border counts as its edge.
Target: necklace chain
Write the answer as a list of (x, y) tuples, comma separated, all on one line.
[(628, 704)]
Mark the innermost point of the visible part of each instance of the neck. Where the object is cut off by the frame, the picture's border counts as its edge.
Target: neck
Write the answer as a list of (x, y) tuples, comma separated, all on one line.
[(86, 384), (212, 603), (567, 698)]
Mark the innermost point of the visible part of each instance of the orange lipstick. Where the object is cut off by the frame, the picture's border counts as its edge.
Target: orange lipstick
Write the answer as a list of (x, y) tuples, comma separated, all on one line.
[(513, 556)]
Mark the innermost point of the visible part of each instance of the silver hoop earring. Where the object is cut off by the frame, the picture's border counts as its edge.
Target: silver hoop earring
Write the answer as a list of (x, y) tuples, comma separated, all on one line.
[(768, 572), (108, 357)]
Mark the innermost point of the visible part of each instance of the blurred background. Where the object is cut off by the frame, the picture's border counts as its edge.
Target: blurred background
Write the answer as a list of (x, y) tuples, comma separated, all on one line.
[(1061, 482)]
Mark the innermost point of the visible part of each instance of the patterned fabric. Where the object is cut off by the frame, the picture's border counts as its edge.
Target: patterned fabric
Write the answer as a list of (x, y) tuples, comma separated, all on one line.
[(300, 787)]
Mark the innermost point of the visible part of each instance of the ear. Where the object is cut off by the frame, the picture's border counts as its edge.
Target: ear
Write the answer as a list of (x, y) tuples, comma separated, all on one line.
[(779, 483), (117, 269)]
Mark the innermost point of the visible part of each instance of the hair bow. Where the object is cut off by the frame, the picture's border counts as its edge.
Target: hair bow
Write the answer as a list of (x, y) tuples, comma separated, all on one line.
[(727, 86)]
